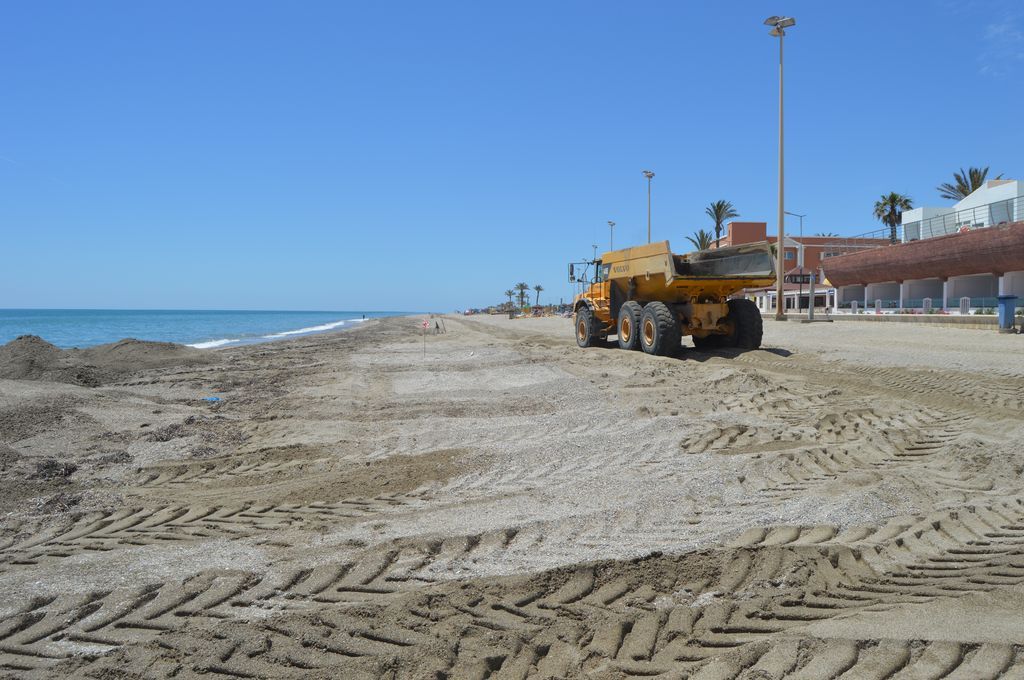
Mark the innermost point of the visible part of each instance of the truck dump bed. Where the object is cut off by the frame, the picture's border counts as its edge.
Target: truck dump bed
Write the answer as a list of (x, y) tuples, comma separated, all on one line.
[(653, 265), (746, 261)]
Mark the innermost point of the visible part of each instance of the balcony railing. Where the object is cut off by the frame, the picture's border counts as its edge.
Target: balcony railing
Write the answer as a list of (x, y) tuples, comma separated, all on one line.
[(952, 304), (957, 221), (841, 245), (953, 222)]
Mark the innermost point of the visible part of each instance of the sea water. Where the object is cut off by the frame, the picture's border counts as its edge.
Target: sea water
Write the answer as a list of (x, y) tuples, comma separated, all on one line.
[(199, 328)]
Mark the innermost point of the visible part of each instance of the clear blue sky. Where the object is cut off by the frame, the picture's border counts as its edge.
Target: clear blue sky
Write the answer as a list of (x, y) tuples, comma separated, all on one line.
[(427, 156)]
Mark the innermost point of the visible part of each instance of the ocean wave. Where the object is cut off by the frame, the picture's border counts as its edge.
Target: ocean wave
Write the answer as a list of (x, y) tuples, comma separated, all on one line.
[(311, 329), (210, 344)]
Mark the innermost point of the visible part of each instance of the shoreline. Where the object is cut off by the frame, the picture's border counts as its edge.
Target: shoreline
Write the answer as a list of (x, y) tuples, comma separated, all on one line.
[(284, 335), (201, 329)]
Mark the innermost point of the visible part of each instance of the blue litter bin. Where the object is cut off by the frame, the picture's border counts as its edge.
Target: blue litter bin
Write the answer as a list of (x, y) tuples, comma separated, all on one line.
[(1007, 308)]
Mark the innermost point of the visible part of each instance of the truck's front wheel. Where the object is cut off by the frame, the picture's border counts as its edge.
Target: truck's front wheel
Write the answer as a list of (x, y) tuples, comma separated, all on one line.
[(586, 327), (659, 331)]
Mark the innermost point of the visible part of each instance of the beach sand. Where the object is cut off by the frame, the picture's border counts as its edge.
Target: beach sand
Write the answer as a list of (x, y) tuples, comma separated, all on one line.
[(496, 502)]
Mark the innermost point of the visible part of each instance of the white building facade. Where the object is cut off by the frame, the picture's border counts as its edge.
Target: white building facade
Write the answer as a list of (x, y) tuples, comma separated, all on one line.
[(998, 201)]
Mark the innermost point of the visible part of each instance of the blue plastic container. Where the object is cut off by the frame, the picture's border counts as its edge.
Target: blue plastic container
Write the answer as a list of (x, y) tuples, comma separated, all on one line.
[(1007, 308)]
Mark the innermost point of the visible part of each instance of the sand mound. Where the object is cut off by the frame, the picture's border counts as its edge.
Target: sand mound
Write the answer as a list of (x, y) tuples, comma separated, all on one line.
[(29, 357), (130, 355)]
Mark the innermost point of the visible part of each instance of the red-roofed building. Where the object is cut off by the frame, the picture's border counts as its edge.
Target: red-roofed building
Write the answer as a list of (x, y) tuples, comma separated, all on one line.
[(804, 255)]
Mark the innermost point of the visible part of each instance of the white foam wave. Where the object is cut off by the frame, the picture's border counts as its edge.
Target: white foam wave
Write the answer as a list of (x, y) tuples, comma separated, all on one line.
[(210, 344), (311, 329)]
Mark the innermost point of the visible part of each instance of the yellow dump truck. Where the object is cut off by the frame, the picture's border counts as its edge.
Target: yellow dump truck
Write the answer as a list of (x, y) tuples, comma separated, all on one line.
[(650, 298)]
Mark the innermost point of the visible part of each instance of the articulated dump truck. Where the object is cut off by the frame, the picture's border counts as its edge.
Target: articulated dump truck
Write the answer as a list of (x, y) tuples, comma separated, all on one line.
[(650, 298)]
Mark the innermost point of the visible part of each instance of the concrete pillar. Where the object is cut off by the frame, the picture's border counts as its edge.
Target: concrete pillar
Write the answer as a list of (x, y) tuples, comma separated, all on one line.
[(1002, 284), (901, 285), (945, 294), (866, 286), (835, 300)]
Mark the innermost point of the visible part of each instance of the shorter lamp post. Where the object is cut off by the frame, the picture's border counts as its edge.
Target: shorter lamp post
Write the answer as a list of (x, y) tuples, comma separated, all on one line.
[(649, 175), (611, 236)]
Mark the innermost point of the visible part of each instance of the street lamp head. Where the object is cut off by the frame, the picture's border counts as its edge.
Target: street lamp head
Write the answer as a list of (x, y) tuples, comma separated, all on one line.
[(610, 223), (648, 174), (779, 24)]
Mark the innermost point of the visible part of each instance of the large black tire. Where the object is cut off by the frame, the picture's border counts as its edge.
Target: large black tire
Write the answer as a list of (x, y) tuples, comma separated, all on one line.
[(628, 326), (747, 326), (659, 330), (587, 331)]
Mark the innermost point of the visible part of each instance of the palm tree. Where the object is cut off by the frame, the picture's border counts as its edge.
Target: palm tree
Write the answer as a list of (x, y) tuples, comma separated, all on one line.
[(509, 294), (701, 239), (522, 288), (540, 289), (889, 210), (964, 183), (720, 211), (826, 234)]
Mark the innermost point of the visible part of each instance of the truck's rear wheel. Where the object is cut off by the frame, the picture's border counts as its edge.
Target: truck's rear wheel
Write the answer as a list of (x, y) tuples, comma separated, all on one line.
[(586, 328), (659, 330), (748, 328), (629, 325)]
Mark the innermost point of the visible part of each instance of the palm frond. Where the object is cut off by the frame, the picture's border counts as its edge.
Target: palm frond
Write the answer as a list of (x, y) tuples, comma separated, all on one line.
[(701, 239), (965, 182), (719, 212)]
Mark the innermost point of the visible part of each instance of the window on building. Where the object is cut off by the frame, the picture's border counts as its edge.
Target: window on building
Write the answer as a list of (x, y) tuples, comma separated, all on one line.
[(912, 231), (790, 255), (824, 255)]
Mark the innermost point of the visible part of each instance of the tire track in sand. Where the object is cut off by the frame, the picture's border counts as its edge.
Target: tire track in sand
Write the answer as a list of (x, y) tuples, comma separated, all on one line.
[(714, 613)]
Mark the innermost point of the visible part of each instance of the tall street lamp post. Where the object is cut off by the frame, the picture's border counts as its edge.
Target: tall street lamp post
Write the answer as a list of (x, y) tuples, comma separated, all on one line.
[(779, 26), (649, 175), (611, 235)]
